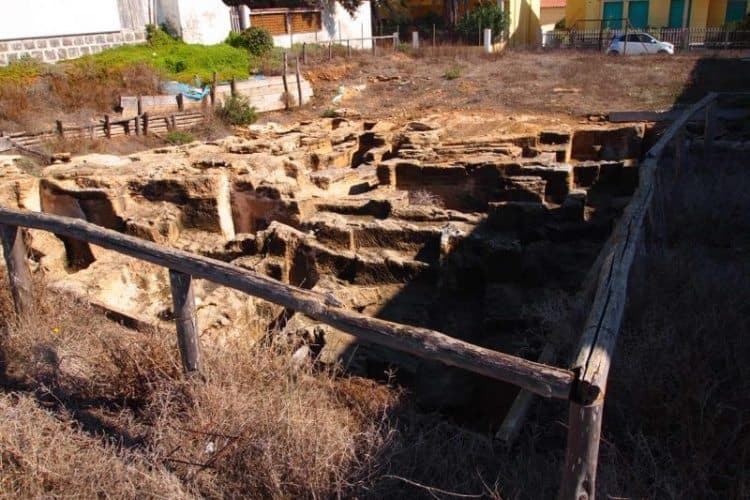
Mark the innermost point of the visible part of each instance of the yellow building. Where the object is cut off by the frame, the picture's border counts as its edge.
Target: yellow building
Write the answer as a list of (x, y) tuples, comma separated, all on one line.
[(591, 14), (552, 12)]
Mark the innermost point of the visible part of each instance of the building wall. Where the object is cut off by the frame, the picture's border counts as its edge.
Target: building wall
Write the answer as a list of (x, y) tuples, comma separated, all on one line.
[(205, 22), (703, 13), (337, 24), (549, 16), (53, 30), (524, 28)]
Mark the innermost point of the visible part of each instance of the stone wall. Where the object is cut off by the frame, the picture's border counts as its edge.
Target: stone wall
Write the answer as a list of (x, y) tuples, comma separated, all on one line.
[(58, 48)]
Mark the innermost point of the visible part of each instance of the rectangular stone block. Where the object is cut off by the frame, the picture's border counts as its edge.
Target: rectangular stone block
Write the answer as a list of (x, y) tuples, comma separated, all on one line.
[(585, 174), (95, 49), (62, 53), (100, 39), (140, 36), (118, 37), (73, 52), (3, 47), (110, 38), (88, 39), (50, 55), (129, 37), (85, 51), (37, 54), (106, 46), (3, 59), (12, 58), (67, 41), (78, 40), (55, 42), (41, 44), (29, 45), (16, 46)]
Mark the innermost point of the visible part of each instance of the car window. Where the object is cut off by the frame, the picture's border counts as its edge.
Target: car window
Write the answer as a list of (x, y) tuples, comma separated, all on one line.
[(633, 38), (645, 38)]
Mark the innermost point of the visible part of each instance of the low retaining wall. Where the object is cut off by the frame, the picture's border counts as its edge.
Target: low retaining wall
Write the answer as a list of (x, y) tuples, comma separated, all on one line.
[(58, 48), (264, 95)]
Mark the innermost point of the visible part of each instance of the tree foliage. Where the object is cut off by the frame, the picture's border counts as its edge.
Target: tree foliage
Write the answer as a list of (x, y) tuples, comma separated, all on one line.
[(485, 15)]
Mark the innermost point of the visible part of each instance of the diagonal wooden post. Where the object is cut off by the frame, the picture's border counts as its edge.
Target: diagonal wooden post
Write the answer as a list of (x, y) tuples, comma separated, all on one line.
[(187, 324), (19, 275)]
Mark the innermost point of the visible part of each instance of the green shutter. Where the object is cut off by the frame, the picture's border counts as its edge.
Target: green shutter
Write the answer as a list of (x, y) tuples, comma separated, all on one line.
[(676, 10), (736, 10), (612, 15), (638, 13)]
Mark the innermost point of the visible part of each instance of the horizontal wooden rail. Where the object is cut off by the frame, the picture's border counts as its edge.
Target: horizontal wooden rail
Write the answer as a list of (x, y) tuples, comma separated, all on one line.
[(604, 322), (541, 379)]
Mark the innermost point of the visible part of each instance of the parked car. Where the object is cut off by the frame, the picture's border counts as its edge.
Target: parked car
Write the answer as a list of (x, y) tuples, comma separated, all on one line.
[(639, 43)]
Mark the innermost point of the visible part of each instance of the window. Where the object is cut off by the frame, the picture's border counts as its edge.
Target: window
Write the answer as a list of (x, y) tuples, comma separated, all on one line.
[(638, 13), (282, 21)]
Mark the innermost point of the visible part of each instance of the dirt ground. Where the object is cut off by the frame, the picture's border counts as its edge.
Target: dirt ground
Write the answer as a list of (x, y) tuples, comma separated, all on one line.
[(561, 84)]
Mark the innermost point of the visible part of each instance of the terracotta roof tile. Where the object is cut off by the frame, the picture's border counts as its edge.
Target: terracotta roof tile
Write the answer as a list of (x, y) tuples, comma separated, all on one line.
[(553, 3)]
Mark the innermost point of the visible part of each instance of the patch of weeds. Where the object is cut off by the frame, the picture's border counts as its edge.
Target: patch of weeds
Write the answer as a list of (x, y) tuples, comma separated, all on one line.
[(329, 113), (178, 137), (237, 111), (452, 73)]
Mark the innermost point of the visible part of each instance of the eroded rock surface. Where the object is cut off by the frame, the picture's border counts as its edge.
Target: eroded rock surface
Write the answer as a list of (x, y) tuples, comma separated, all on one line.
[(469, 236)]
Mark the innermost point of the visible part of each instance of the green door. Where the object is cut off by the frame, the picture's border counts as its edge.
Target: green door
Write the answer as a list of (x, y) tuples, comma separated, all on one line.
[(676, 10), (612, 15), (638, 13), (736, 10)]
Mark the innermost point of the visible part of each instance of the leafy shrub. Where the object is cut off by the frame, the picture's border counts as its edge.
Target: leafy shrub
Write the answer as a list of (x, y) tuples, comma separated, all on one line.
[(485, 15), (159, 37), (452, 73), (329, 113), (257, 41), (178, 137), (237, 111)]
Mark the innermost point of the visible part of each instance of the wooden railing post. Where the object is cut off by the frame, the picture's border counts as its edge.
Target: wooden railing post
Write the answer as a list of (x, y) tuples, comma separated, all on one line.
[(287, 97), (187, 324), (709, 131), (19, 275), (582, 453), (299, 84)]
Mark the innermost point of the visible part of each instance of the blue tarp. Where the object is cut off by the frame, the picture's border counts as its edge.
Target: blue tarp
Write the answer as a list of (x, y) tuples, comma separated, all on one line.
[(174, 88)]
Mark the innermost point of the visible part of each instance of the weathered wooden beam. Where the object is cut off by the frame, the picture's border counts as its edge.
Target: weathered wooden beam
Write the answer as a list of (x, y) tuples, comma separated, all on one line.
[(19, 275), (582, 453), (605, 318), (515, 417), (187, 325), (547, 381), (658, 148)]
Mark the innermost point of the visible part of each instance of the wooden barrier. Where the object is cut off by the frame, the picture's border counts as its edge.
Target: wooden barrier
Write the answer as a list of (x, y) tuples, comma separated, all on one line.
[(604, 322), (547, 381)]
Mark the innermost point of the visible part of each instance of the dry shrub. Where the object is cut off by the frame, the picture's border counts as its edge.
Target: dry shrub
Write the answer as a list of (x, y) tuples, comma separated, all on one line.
[(425, 198), (264, 427), (47, 456)]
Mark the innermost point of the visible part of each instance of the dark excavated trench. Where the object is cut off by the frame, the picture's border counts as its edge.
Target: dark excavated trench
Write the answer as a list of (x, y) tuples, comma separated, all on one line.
[(484, 240)]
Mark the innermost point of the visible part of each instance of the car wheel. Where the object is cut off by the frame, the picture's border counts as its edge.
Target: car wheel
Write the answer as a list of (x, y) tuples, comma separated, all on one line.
[(662, 51), (613, 53)]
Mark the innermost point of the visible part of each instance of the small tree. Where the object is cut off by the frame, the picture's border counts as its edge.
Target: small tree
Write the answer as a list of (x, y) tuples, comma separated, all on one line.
[(257, 41), (485, 15)]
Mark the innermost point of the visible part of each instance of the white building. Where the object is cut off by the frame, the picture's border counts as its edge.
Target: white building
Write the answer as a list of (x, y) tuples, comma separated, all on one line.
[(209, 21), (52, 30)]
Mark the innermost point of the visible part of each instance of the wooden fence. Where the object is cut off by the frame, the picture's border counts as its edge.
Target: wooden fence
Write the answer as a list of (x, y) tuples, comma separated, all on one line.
[(584, 386)]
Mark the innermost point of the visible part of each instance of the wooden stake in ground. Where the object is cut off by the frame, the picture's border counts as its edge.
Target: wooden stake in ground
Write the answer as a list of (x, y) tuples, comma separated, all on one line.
[(299, 83), (187, 324), (286, 85), (582, 455), (19, 275)]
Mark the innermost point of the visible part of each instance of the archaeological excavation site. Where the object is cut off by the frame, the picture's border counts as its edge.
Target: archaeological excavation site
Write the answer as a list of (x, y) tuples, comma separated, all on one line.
[(366, 302)]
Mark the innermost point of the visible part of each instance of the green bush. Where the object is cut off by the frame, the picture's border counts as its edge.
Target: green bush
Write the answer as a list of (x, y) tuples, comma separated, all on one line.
[(257, 41), (178, 137), (452, 73), (158, 37), (485, 15), (237, 111)]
